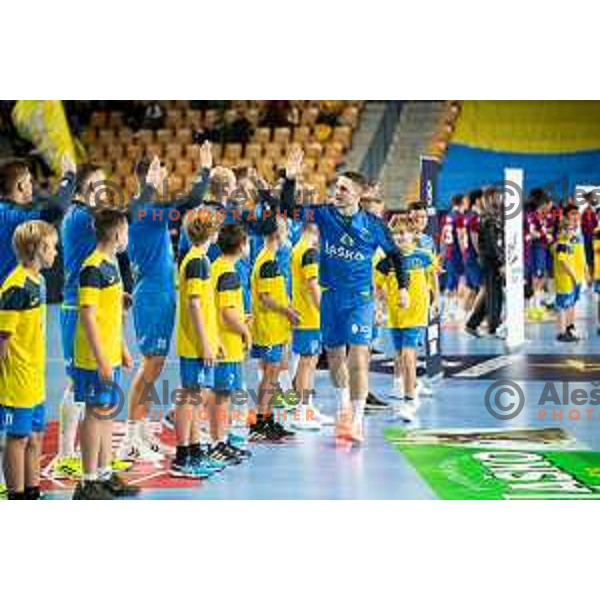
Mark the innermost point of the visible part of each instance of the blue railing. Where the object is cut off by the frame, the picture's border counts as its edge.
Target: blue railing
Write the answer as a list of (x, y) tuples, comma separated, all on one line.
[(377, 153)]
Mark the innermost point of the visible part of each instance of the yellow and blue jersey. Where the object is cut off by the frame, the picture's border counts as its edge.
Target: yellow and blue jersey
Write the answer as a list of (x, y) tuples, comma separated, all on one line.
[(228, 294), (23, 316), (419, 267), (304, 267), (269, 328), (195, 281), (100, 287), (563, 255)]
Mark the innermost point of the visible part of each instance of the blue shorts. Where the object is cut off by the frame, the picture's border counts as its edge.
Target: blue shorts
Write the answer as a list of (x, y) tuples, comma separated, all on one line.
[(229, 376), (346, 320), (577, 293), (538, 260), (597, 287), (69, 316), (22, 422), (88, 388), (409, 337), (306, 342), (268, 354), (196, 374), (550, 265), (564, 301), (154, 321), (454, 271), (473, 275)]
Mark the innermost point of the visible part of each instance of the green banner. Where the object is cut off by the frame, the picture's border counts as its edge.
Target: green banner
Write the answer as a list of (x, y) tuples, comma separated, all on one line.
[(526, 464)]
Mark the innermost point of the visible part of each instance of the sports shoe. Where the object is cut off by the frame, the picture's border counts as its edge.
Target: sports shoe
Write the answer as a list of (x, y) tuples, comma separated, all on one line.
[(119, 466), (565, 337), (92, 490), (343, 426), (204, 460), (137, 450), (261, 432), (67, 467), (323, 419), (241, 453), (473, 331), (190, 470), (406, 410), (424, 389), (279, 428), (237, 439), (375, 403), (224, 453), (119, 488), (152, 441)]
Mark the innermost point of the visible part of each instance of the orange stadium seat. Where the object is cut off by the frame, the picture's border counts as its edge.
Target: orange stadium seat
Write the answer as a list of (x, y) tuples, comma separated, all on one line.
[(133, 151), (217, 151), (253, 115), (327, 167), (115, 119), (153, 150), (106, 136), (124, 134), (350, 116), (265, 168), (98, 119), (193, 118), (309, 116), (173, 118), (175, 183), (173, 150), (113, 151), (313, 150), (145, 137), (164, 136), (184, 135), (334, 150), (184, 166)]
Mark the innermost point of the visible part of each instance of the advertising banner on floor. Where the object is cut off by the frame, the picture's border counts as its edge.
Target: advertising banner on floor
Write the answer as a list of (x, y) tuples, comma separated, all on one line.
[(527, 464)]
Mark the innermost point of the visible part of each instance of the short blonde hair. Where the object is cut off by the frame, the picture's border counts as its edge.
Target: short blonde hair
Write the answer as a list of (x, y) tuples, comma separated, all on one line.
[(200, 224), (28, 237)]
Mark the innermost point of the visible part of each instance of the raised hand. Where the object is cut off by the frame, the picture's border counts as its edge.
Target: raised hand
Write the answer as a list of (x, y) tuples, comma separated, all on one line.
[(154, 173), (293, 165), (206, 157)]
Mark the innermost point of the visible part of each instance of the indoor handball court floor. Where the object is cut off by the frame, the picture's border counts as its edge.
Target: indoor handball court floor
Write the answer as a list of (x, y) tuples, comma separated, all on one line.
[(314, 467)]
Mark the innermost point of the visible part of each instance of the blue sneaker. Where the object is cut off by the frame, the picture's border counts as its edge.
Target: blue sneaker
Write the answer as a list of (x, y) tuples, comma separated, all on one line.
[(237, 439), (189, 470), (206, 462)]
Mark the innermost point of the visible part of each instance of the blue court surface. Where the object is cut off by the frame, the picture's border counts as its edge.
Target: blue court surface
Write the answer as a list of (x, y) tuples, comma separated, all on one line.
[(312, 466)]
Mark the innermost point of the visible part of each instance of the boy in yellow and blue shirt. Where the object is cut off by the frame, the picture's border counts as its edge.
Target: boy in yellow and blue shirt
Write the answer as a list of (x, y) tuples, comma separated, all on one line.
[(565, 281), (22, 357), (407, 325)]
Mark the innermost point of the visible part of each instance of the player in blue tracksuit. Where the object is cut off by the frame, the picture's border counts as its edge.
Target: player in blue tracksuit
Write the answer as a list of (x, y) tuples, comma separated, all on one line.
[(349, 238), (18, 205), (154, 295)]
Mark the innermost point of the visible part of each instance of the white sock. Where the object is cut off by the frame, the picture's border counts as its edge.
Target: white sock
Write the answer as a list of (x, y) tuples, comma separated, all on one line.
[(104, 473), (285, 380), (293, 364), (399, 385), (71, 413), (134, 431), (358, 410), (90, 477), (343, 399)]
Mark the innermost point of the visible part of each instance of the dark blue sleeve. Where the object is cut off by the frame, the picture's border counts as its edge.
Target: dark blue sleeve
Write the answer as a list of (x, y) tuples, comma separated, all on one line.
[(52, 208), (383, 238)]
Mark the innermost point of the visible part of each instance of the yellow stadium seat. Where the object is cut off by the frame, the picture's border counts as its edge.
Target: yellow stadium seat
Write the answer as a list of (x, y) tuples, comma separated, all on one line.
[(164, 136), (282, 136), (173, 118), (343, 134), (145, 137), (273, 151), (153, 150), (233, 152), (184, 135), (217, 151), (253, 151), (264, 166), (350, 116), (301, 134), (115, 120), (262, 135), (334, 150), (253, 115), (133, 151), (327, 167), (184, 166), (313, 150), (98, 119), (106, 136), (175, 184), (193, 118), (113, 151), (309, 116), (173, 150)]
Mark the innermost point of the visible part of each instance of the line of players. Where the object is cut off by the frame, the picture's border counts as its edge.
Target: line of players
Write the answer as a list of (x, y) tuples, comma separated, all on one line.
[(561, 256), (332, 301)]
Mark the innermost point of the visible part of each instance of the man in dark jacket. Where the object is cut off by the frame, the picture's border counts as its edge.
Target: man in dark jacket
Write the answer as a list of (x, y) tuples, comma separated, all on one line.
[(491, 258)]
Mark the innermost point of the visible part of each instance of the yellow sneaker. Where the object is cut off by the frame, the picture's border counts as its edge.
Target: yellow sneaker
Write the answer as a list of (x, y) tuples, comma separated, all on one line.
[(67, 467), (119, 466)]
